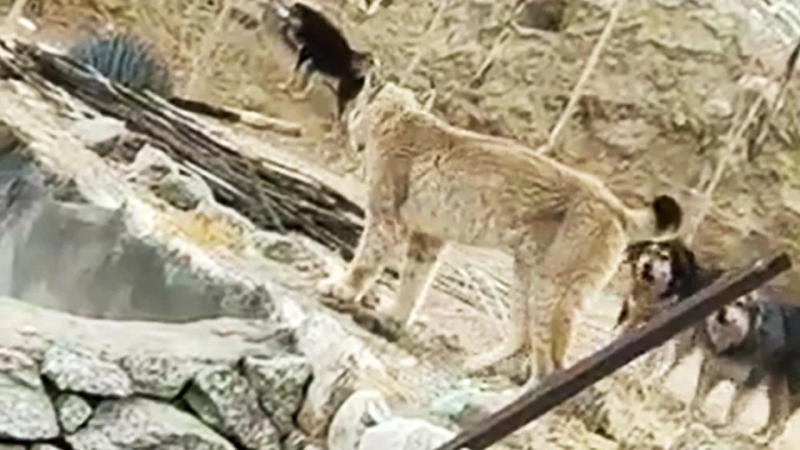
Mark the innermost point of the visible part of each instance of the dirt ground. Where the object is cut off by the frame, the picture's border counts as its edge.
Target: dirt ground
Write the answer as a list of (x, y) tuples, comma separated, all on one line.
[(656, 115)]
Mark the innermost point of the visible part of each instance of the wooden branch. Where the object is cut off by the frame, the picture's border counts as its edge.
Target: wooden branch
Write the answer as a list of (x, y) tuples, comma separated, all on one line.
[(561, 386), (292, 201)]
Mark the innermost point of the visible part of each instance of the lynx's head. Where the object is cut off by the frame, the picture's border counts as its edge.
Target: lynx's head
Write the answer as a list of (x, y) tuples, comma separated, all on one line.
[(378, 99)]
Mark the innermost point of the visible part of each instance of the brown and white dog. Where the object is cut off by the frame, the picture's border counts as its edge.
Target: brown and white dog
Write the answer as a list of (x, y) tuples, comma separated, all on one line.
[(761, 338)]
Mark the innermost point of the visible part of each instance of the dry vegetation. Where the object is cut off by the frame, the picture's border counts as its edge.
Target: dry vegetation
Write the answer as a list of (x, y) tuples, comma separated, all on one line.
[(663, 109)]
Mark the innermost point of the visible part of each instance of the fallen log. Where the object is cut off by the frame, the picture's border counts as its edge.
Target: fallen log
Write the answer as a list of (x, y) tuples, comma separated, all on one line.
[(271, 195), (561, 386)]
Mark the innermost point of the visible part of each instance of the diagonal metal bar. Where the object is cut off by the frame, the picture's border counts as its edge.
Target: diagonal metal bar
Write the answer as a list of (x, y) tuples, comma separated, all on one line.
[(564, 385)]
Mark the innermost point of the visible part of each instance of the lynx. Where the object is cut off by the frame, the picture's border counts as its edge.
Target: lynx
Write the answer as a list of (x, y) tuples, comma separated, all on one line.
[(430, 183)]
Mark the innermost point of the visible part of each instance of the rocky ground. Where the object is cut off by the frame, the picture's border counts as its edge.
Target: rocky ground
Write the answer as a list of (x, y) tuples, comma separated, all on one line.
[(656, 115)]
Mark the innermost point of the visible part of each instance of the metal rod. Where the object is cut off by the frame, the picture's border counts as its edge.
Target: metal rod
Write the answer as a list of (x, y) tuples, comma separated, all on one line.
[(561, 386)]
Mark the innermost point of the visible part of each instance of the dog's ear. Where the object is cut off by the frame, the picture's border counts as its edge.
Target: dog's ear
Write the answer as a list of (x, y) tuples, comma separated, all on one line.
[(668, 214), (633, 251), (684, 263)]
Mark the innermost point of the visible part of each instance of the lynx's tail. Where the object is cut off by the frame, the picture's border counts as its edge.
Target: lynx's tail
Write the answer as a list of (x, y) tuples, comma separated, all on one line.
[(660, 221)]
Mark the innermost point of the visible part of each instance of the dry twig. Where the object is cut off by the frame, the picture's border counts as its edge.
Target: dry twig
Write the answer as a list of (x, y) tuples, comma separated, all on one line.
[(499, 43), (737, 136), (424, 40), (200, 61), (791, 64), (577, 92)]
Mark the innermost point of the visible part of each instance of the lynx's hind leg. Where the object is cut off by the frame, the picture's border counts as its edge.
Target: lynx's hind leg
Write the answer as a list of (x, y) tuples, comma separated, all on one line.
[(581, 260), (519, 320)]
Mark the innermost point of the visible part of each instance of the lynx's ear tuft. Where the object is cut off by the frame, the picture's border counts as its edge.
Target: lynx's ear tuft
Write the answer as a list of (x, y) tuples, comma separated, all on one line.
[(668, 214)]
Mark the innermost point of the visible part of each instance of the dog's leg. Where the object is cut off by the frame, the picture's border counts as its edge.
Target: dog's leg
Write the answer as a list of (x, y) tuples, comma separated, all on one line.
[(779, 401), (303, 55), (346, 91), (307, 74)]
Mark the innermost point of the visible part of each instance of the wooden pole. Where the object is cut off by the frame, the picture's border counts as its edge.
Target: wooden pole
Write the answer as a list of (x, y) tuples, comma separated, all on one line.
[(561, 386)]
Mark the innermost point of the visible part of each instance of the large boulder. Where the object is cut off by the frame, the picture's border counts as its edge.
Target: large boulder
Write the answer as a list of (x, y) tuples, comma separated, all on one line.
[(138, 423), (224, 399), (25, 410), (78, 370), (280, 383), (404, 434)]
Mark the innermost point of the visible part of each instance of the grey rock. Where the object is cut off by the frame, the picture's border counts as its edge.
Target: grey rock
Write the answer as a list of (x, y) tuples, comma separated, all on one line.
[(44, 447), (296, 440), (183, 191), (82, 259), (100, 134), (328, 390), (150, 166), (159, 375), (26, 412), (467, 403), (79, 370), (363, 409), (73, 411), (224, 399), (137, 423), (168, 180), (339, 362), (21, 192), (404, 434), (32, 329), (280, 383)]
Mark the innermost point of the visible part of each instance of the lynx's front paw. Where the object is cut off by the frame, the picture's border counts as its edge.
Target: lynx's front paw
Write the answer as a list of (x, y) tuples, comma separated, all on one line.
[(339, 294)]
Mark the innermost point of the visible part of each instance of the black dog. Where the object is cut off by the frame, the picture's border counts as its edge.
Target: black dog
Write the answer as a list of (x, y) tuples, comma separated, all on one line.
[(322, 48)]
